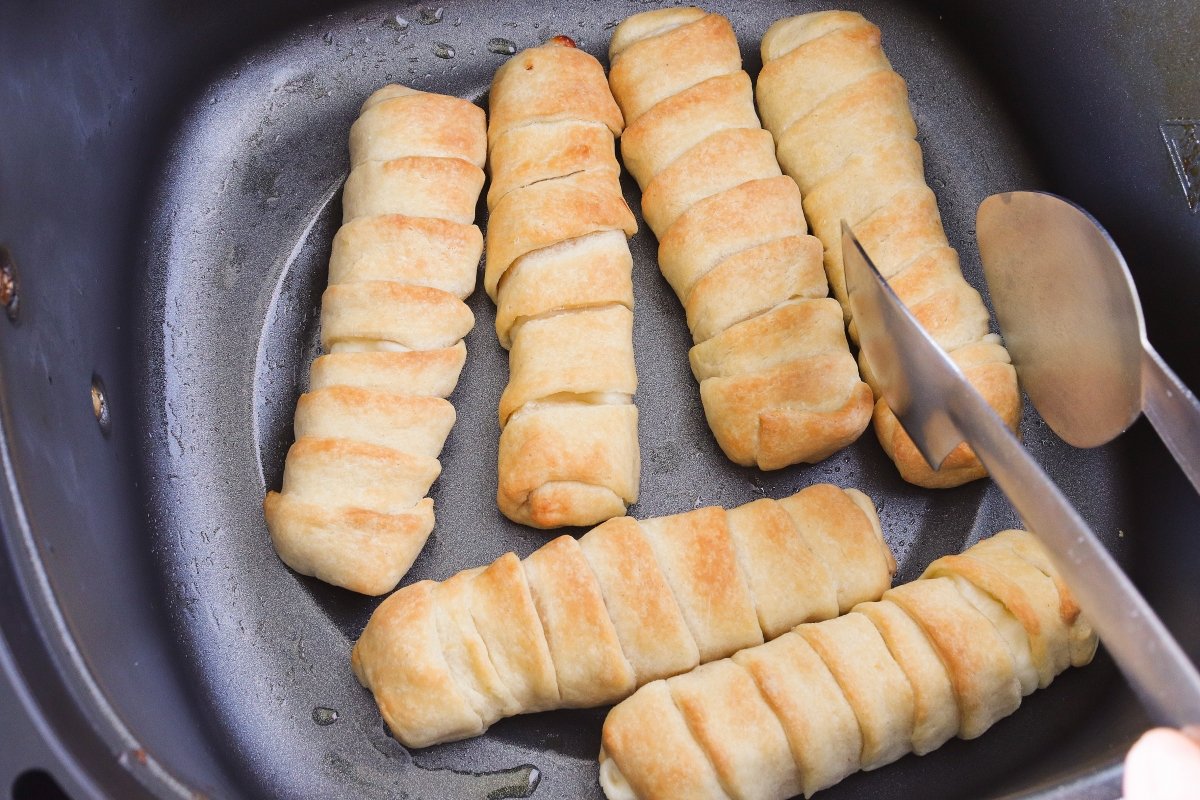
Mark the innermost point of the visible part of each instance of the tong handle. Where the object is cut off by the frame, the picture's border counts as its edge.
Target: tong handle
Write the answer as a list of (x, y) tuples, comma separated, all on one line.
[(1173, 411)]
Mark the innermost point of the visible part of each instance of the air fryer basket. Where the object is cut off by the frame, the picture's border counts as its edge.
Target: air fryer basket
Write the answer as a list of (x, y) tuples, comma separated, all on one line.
[(169, 186)]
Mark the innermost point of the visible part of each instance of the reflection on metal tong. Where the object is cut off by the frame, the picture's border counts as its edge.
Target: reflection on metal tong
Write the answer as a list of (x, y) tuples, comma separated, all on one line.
[(939, 409)]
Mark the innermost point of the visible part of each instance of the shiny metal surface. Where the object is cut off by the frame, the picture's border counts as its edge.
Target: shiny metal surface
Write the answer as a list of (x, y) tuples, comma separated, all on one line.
[(1070, 315), (939, 409)]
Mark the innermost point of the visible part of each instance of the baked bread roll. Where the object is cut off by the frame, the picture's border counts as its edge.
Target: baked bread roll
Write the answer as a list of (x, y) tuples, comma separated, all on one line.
[(559, 269), (353, 510), (946, 655), (585, 622), (777, 380), (844, 133)]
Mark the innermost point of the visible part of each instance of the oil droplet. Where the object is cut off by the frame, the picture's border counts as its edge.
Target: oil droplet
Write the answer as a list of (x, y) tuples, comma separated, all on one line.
[(507, 784), (100, 404), (431, 16), (9, 297), (502, 47), (396, 22), (324, 716), (515, 783), (443, 50)]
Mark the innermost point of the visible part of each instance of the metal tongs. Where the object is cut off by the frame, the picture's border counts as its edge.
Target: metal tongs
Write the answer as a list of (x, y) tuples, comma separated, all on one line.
[(939, 409), (1071, 318)]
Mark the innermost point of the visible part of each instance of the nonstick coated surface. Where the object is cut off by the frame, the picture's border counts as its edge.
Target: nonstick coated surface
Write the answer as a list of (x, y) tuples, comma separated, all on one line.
[(249, 200)]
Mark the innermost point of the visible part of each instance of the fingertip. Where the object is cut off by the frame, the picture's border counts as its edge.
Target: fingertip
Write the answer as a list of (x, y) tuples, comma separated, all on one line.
[(1164, 764)]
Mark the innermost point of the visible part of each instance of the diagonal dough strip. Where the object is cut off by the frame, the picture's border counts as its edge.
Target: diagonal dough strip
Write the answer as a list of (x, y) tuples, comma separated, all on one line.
[(844, 133), (734, 244), (584, 623), (896, 675)]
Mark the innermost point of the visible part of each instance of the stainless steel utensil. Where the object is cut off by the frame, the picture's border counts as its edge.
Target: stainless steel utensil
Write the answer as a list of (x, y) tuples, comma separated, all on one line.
[(1070, 316), (939, 409)]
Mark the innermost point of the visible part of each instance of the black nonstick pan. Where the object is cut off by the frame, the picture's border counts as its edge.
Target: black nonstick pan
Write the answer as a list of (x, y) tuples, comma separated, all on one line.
[(170, 181)]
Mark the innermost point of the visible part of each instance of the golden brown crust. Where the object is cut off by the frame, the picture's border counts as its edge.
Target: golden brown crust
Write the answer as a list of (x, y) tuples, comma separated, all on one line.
[(812, 148), (701, 238), (787, 413), (977, 660), (420, 124), (563, 462), (787, 34), (754, 763), (823, 733), (679, 123), (421, 373), (580, 624), (389, 92), (995, 380), (589, 272), (369, 432), (872, 182), (753, 282), (787, 580), (442, 188), (1027, 594), (732, 241), (548, 84), (410, 424), (636, 734), (545, 151), (342, 472), (590, 667), (641, 78), (721, 162), (466, 652), (648, 622), (1082, 639), (559, 269), (415, 317), (846, 136), (372, 551), (647, 24), (549, 212), (847, 538), (507, 620), (935, 710), (420, 251), (877, 689), (791, 330), (808, 75), (895, 234), (408, 673), (697, 557), (931, 660), (587, 351)]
